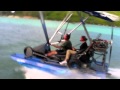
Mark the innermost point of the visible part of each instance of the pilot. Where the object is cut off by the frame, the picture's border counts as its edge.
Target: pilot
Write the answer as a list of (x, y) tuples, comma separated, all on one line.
[(62, 48), (83, 47)]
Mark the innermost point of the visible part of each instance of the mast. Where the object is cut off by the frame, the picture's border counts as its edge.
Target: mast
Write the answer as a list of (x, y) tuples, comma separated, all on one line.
[(44, 29)]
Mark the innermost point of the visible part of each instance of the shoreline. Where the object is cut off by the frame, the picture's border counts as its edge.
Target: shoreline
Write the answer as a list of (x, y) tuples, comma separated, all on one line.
[(17, 17), (30, 17)]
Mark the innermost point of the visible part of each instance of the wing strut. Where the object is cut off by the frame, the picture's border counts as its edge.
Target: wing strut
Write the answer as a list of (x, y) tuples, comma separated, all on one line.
[(60, 26), (78, 25), (111, 45)]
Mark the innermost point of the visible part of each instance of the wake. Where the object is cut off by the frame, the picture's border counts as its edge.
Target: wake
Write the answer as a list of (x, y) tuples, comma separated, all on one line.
[(33, 73)]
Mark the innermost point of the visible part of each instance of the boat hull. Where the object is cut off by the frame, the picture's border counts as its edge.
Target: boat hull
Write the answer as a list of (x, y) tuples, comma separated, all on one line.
[(34, 62)]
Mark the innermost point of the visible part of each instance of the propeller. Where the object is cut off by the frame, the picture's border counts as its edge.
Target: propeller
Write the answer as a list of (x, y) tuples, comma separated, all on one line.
[(111, 45)]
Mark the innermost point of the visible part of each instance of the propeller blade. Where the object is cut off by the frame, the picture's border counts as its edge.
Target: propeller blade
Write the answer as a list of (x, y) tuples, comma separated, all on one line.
[(111, 45)]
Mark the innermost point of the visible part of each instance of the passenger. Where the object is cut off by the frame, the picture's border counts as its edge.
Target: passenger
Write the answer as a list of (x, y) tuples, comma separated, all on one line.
[(83, 47), (62, 48)]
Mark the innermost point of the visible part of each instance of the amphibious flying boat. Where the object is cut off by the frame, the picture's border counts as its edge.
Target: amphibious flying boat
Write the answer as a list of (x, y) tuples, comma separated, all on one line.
[(35, 56)]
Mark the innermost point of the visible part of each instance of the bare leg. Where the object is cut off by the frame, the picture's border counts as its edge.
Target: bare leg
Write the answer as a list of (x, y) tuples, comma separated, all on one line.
[(51, 53), (69, 52)]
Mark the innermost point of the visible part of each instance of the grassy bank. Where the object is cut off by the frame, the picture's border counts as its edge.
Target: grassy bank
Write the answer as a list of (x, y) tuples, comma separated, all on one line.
[(59, 15)]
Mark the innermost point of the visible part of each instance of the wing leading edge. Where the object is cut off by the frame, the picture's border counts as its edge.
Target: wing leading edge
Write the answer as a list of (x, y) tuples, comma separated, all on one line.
[(104, 15)]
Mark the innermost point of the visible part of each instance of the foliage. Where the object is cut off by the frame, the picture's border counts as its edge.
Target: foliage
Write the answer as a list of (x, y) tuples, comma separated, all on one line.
[(59, 15)]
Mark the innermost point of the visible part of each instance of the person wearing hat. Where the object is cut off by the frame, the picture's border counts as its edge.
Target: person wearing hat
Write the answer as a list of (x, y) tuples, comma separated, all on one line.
[(63, 48), (83, 47)]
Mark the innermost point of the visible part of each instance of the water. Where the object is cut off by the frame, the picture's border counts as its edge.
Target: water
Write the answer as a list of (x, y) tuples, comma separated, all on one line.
[(16, 34)]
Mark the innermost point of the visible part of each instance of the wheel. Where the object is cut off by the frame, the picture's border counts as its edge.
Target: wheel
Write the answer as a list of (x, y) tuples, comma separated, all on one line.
[(28, 51)]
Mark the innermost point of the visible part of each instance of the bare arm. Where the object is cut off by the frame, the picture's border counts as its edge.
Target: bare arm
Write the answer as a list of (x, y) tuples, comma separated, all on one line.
[(56, 46)]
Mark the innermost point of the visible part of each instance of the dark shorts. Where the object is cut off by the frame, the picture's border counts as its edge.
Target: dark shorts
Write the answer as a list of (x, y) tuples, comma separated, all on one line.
[(61, 52)]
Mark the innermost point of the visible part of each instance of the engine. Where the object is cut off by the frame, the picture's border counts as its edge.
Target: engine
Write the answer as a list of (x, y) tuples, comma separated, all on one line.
[(100, 45)]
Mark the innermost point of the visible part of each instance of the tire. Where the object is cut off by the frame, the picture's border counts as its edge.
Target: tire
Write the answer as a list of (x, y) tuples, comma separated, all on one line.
[(28, 51)]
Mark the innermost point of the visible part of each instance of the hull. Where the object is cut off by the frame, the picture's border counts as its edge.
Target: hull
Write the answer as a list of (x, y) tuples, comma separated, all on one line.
[(37, 63)]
